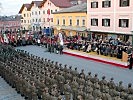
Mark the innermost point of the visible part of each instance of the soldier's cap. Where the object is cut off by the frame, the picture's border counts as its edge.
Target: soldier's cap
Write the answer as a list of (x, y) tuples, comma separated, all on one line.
[(65, 65), (96, 75), (120, 82), (52, 61), (75, 68), (129, 85), (70, 67), (56, 62), (60, 64), (89, 73), (82, 70), (112, 78), (103, 77)]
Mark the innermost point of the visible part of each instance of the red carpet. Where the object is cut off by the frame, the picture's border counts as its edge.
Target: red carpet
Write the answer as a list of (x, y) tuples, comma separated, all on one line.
[(98, 60)]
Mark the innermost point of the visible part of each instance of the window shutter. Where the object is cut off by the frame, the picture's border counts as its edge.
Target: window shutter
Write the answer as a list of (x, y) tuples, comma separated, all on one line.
[(109, 3), (102, 22), (120, 3), (97, 22), (119, 22), (96, 4), (128, 1), (127, 22), (102, 3), (91, 5), (91, 22), (108, 22)]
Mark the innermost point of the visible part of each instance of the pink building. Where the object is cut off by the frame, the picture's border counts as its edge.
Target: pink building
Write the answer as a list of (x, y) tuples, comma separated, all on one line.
[(10, 23), (110, 18)]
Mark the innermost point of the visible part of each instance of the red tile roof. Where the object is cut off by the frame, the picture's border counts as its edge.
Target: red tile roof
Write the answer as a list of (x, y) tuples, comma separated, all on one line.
[(61, 3), (24, 5)]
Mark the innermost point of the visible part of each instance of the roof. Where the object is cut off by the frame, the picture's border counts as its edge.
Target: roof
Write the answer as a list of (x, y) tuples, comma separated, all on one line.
[(38, 3), (78, 8), (24, 5), (61, 3), (10, 18)]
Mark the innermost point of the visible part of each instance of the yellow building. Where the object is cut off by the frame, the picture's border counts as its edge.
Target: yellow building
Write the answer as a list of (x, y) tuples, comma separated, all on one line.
[(25, 17), (71, 21)]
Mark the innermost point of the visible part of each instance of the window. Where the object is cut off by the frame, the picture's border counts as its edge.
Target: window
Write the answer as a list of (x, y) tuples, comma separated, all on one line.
[(64, 22), (105, 22), (27, 15), (24, 15), (40, 20), (28, 21), (36, 13), (58, 22), (36, 20), (21, 21), (94, 22), (39, 12), (24, 21), (32, 13), (83, 22), (51, 19), (124, 3), (106, 3), (43, 19), (51, 11), (44, 12), (94, 4), (77, 22), (55, 10), (33, 20), (70, 22), (123, 23)]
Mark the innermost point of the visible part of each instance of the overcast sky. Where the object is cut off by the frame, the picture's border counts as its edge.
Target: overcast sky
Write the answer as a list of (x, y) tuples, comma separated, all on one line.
[(12, 7)]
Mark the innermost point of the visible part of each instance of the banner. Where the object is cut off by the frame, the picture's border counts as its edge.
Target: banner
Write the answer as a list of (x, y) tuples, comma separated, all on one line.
[(61, 38)]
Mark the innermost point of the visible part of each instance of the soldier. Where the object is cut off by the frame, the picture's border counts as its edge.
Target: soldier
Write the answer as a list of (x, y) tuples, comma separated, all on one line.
[(120, 87), (67, 91), (111, 84), (33, 92), (130, 89), (95, 79), (46, 95), (75, 72), (88, 77), (74, 86), (96, 92), (103, 83), (82, 74)]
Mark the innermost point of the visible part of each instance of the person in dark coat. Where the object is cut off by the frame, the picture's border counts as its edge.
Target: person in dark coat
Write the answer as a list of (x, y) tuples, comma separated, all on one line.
[(130, 61)]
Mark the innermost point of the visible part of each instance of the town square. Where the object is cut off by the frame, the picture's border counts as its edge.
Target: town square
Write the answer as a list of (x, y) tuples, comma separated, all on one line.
[(66, 50)]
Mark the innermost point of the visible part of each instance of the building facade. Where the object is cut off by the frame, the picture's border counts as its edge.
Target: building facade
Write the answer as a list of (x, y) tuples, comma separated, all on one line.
[(72, 20), (110, 18), (10, 24), (36, 15), (25, 17)]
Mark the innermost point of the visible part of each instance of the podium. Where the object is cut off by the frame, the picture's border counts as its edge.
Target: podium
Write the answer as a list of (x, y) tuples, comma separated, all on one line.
[(124, 56)]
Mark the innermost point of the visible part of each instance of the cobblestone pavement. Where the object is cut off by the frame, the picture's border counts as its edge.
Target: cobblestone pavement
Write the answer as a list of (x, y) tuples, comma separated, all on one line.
[(119, 74)]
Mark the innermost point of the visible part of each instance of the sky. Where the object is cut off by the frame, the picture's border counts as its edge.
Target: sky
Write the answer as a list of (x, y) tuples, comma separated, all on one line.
[(12, 7)]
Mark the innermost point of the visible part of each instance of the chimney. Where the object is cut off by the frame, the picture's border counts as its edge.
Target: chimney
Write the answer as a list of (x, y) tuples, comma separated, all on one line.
[(79, 2)]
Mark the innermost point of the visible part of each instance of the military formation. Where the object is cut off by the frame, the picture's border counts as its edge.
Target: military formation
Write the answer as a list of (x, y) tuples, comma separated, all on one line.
[(37, 78)]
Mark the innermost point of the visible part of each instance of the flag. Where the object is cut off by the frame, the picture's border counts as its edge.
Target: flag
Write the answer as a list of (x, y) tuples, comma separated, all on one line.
[(48, 11), (61, 39), (6, 39)]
